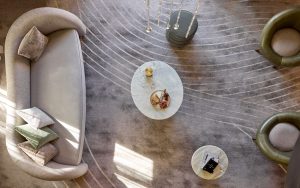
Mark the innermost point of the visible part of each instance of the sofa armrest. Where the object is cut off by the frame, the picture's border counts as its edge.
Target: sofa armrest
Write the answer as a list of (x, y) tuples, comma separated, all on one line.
[(52, 171)]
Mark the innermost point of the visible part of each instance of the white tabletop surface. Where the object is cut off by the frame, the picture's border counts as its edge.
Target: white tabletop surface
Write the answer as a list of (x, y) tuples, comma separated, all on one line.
[(164, 77), (198, 158)]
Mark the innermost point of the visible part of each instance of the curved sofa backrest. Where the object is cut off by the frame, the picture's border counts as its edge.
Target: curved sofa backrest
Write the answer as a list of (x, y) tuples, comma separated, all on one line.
[(47, 20), (287, 18)]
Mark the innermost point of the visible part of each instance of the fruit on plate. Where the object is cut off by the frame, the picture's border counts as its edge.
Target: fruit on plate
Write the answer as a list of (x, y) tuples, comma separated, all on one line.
[(164, 100), (160, 99), (155, 99), (148, 71), (163, 104)]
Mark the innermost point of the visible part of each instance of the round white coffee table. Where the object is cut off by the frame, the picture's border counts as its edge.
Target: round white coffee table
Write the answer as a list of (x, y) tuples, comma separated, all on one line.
[(198, 162), (164, 77)]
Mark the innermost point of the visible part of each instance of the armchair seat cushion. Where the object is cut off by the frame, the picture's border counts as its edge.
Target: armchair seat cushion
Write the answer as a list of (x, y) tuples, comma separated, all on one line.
[(286, 42), (283, 136)]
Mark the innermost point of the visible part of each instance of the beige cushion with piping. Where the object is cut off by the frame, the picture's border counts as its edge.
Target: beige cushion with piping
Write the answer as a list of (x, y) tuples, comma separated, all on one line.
[(284, 136), (286, 42)]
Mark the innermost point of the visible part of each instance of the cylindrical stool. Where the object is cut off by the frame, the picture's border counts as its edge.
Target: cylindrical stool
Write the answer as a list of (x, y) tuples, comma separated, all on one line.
[(177, 37)]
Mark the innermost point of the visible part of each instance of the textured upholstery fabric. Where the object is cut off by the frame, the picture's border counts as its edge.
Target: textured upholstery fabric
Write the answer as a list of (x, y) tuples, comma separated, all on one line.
[(57, 87), (283, 136), (48, 20), (286, 42), (17, 68), (41, 156), (36, 137), (35, 117), (288, 18), (52, 171), (262, 135), (33, 44)]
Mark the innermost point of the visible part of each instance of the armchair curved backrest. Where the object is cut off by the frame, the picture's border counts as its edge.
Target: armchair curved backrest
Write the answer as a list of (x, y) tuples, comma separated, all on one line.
[(289, 18)]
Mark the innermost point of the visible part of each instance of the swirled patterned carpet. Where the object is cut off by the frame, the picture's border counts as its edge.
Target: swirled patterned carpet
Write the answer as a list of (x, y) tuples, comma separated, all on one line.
[(229, 90)]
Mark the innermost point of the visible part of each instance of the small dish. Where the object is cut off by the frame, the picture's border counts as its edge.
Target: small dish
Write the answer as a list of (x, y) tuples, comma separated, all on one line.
[(160, 99)]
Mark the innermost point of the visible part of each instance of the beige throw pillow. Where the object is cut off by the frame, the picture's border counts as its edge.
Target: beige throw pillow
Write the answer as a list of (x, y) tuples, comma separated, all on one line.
[(33, 44), (35, 117), (41, 156)]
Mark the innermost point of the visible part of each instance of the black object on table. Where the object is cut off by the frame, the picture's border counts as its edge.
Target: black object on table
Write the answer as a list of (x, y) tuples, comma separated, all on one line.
[(210, 165)]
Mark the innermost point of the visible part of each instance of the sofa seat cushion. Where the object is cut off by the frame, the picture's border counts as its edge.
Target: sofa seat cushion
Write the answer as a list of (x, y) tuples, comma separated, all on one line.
[(58, 88), (286, 42), (283, 136)]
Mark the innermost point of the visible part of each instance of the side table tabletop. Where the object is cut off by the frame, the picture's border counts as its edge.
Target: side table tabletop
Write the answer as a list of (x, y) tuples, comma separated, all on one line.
[(197, 162)]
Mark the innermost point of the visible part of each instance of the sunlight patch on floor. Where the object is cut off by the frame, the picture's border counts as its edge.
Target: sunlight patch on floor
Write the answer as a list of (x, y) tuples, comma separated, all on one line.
[(129, 183), (133, 164)]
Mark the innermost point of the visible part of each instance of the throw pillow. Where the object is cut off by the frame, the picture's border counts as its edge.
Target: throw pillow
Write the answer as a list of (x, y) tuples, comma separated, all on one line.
[(33, 44), (284, 136), (37, 138), (35, 117), (286, 42), (41, 156)]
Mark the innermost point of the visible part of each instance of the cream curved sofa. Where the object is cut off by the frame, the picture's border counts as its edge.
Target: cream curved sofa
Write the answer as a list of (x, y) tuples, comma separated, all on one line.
[(55, 84)]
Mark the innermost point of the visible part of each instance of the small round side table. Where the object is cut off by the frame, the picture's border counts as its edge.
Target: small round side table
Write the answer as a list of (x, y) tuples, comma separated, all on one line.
[(198, 158)]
